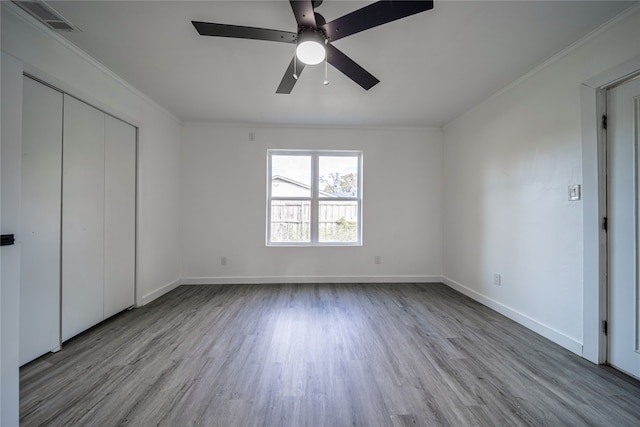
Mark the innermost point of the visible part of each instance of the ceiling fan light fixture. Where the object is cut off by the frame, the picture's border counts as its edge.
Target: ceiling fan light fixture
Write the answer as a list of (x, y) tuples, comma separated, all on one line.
[(315, 35), (311, 47)]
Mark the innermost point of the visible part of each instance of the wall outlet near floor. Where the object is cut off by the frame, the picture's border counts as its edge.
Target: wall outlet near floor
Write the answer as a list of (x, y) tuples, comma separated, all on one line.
[(377, 259), (497, 279), (223, 260)]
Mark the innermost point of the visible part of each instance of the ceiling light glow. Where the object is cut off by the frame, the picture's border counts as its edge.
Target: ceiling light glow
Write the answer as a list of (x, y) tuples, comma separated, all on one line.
[(310, 52), (310, 49)]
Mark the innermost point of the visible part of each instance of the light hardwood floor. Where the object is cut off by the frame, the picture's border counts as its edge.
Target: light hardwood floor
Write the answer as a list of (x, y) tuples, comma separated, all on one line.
[(319, 355)]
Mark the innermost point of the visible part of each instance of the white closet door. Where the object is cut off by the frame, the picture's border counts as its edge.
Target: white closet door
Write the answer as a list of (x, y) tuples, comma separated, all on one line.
[(40, 212), (120, 210), (82, 217)]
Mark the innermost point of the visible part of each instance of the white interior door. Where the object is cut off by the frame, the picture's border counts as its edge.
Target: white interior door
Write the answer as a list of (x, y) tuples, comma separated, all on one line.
[(623, 112), (10, 160), (40, 213), (82, 217), (120, 219)]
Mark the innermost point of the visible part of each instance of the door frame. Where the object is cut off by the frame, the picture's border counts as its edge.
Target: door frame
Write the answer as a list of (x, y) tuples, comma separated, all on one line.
[(594, 168)]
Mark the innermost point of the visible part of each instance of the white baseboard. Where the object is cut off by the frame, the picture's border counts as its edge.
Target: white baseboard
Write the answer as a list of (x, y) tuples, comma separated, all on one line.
[(251, 280), (526, 321), (146, 299)]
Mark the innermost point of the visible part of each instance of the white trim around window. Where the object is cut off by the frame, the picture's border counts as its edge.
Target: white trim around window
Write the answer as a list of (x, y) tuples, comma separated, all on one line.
[(314, 198)]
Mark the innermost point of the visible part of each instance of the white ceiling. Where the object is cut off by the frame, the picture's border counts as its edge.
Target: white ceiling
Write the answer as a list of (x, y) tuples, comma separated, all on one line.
[(432, 66)]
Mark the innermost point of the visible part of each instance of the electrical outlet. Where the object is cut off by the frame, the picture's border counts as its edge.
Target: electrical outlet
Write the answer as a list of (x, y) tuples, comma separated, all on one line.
[(377, 259), (223, 260), (252, 136), (497, 279)]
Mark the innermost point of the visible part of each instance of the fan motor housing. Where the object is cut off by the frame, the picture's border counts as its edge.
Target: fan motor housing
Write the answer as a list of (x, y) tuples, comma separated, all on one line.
[(311, 34)]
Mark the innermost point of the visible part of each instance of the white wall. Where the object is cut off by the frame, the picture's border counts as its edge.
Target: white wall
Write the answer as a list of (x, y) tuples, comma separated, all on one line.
[(49, 57), (159, 222), (224, 199), (508, 164), (31, 48)]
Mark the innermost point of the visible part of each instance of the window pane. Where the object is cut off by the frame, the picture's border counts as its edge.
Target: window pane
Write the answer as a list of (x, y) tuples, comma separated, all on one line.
[(338, 176), (290, 176), (290, 221), (338, 221)]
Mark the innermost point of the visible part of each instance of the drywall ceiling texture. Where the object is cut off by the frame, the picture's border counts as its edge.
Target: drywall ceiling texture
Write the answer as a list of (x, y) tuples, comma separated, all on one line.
[(433, 66), (509, 163), (159, 220), (224, 199)]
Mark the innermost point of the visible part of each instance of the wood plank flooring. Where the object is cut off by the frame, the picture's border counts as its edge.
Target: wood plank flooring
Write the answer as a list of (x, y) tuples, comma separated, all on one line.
[(319, 355)]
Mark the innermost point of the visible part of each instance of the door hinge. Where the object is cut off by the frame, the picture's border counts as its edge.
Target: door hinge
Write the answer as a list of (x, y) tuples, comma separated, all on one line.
[(605, 327), (605, 223), (604, 122)]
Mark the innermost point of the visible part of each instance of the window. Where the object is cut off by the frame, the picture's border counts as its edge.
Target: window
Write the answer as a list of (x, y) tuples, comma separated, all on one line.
[(314, 198)]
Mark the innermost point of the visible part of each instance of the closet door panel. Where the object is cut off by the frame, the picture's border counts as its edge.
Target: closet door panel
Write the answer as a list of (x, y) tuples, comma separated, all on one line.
[(120, 210), (82, 217), (39, 236)]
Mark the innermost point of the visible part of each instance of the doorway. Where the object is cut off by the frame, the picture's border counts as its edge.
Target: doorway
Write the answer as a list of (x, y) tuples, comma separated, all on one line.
[(623, 226)]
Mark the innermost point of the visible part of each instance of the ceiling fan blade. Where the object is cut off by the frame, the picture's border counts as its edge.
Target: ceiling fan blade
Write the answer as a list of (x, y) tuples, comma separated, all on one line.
[(240, 32), (288, 82), (303, 11), (348, 67), (375, 14)]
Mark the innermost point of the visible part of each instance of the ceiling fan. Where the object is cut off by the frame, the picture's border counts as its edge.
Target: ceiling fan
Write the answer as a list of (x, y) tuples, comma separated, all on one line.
[(314, 37)]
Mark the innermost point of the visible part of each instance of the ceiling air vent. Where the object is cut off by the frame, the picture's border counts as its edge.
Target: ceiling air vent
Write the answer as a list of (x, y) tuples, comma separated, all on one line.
[(47, 15)]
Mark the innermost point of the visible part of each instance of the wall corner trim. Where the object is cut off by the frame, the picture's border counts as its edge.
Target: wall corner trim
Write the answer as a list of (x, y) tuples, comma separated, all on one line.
[(526, 321)]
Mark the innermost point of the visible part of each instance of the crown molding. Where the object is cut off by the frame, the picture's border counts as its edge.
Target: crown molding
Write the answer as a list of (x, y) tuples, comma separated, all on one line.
[(23, 16), (564, 52), (246, 125)]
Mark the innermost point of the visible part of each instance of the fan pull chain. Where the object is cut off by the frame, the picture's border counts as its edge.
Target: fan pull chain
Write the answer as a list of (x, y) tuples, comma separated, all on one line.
[(295, 63), (326, 72)]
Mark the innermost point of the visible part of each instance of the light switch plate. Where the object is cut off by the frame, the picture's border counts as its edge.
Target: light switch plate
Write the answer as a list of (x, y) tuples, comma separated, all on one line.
[(574, 192)]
